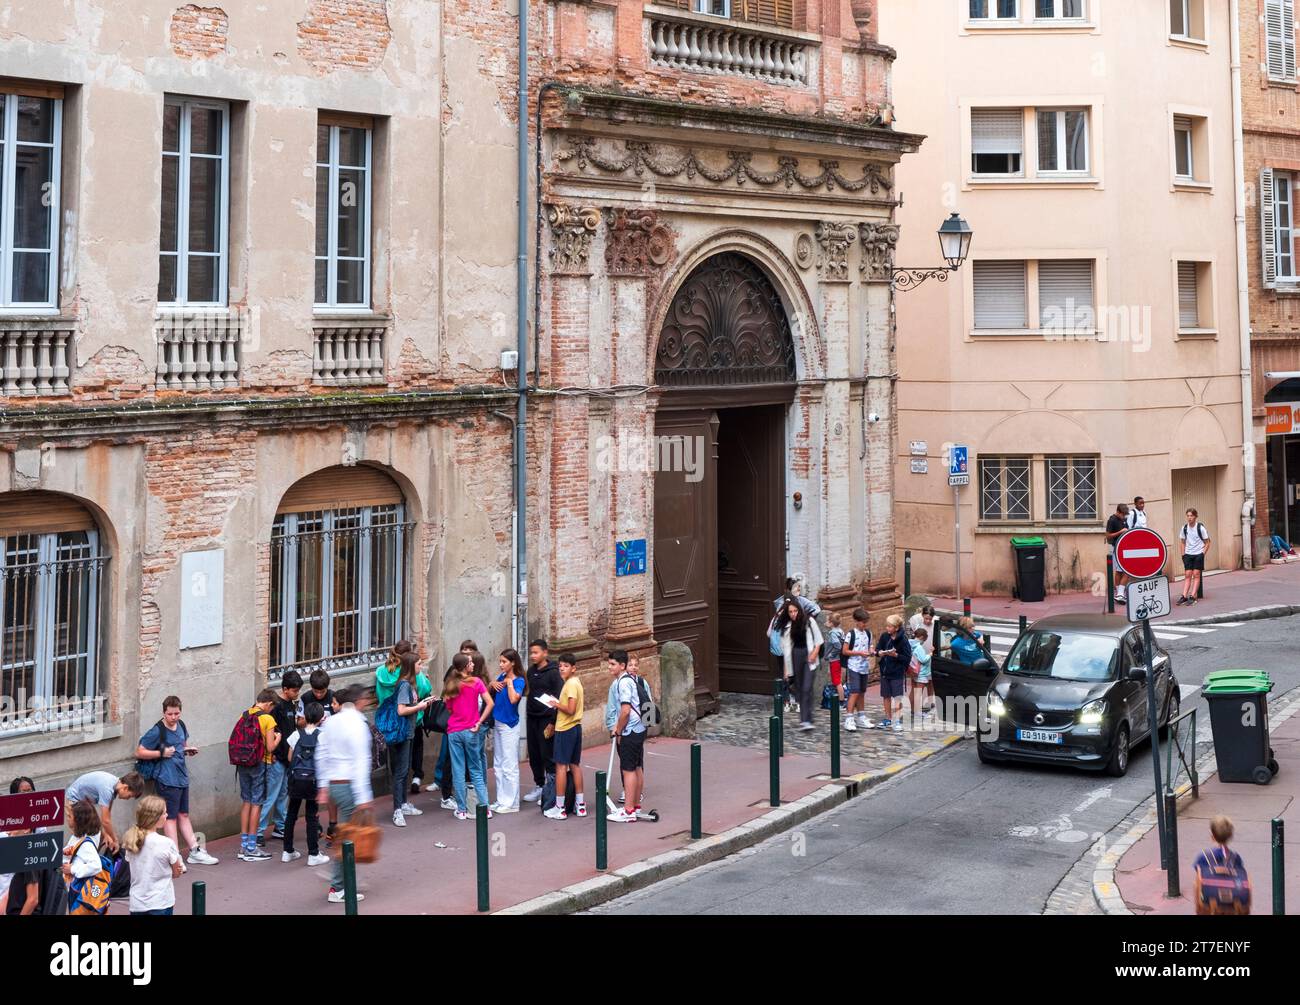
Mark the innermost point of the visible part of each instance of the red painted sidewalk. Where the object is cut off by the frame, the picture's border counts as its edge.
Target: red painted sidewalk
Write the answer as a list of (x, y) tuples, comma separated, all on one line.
[(531, 855)]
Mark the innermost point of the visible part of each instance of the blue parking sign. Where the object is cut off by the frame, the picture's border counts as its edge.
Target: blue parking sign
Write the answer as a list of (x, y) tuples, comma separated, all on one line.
[(959, 465)]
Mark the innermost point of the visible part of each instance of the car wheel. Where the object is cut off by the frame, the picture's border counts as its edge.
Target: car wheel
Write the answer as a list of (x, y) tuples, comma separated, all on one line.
[(1117, 766), (1174, 704)]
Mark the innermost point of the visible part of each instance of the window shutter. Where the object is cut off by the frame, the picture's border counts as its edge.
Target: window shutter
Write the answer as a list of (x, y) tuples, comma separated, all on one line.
[(1189, 310), (997, 130), (1267, 227), (999, 294), (1275, 30), (1288, 39), (1065, 293), (340, 488), (42, 513)]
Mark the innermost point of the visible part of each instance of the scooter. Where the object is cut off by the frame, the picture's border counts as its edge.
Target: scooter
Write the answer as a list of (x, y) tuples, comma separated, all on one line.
[(614, 807)]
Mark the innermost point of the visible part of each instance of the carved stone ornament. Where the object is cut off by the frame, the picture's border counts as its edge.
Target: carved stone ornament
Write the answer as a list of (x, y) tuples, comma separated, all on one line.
[(803, 251), (636, 242), (879, 242), (833, 241), (640, 157), (572, 228)]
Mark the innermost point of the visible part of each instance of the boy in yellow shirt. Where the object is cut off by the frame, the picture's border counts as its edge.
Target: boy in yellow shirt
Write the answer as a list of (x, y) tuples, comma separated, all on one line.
[(252, 778), (568, 740)]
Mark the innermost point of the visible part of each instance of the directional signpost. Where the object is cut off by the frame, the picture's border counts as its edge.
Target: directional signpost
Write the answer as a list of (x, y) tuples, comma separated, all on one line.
[(31, 852), (29, 810), (958, 475)]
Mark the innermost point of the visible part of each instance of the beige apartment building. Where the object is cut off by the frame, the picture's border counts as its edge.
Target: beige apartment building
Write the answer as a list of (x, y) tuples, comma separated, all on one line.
[(1089, 351)]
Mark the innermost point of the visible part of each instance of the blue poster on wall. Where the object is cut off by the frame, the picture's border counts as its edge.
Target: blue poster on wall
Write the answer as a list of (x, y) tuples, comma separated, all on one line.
[(629, 558)]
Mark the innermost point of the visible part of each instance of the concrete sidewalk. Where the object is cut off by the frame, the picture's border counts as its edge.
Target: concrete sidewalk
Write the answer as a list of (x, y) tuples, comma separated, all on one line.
[(545, 866), (1240, 595), (1142, 885)]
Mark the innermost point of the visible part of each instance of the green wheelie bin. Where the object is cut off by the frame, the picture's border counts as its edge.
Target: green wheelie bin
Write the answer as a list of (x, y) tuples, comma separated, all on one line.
[(1238, 701)]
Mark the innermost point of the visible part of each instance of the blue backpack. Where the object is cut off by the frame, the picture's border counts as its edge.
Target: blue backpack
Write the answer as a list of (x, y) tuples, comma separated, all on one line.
[(91, 895), (774, 639), (392, 727)]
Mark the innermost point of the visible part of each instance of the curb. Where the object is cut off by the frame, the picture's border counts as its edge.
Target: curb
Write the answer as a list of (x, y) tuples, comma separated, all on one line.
[(638, 875), (1105, 890), (1247, 614)]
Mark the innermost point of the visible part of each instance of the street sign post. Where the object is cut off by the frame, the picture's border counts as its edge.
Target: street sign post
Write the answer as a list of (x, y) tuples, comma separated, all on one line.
[(958, 465), (31, 852), (26, 811), (1140, 553), (958, 475), (1147, 599)]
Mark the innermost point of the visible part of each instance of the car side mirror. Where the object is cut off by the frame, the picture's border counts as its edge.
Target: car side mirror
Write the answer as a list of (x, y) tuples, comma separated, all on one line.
[(984, 665), (1137, 673)]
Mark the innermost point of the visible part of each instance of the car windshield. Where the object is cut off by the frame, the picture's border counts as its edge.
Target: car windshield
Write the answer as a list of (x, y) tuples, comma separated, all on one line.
[(1064, 657)]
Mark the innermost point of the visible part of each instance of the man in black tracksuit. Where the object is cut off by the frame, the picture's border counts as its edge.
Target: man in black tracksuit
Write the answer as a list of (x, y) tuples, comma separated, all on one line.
[(543, 677)]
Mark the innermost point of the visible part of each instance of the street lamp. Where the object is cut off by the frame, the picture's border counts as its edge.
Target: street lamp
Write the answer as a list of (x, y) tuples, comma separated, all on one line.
[(955, 236)]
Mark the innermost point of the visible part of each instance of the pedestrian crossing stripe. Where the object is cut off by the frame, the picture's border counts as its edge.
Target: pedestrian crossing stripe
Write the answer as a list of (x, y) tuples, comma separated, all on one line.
[(1002, 638)]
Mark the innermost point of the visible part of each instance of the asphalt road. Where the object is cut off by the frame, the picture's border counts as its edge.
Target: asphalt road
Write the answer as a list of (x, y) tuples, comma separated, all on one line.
[(953, 836)]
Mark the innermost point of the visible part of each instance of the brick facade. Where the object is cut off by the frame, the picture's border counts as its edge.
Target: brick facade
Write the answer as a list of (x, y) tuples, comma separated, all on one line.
[(199, 32)]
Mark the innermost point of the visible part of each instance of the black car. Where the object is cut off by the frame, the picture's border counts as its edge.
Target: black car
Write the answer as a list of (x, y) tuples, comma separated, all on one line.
[(1073, 691)]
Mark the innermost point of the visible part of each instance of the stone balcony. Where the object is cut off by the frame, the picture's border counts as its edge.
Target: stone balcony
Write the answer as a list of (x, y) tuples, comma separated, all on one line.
[(704, 44)]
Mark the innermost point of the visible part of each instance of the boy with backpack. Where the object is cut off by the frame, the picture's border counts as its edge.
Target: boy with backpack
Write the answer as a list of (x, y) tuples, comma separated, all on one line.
[(303, 786), (856, 651), (1196, 540), (1222, 886), (287, 709), (629, 732), (252, 749)]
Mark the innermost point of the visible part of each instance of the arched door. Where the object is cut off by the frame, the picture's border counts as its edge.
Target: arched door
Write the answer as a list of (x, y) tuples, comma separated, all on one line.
[(726, 361)]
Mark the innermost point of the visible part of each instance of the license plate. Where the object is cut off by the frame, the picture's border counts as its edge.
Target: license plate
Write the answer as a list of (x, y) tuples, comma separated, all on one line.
[(1038, 736)]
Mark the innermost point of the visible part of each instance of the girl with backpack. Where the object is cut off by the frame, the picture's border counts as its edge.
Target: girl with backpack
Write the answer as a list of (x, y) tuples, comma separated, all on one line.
[(462, 693), (1222, 886), (83, 863), (509, 689), (1196, 540), (398, 731), (303, 786), (801, 641), (155, 861)]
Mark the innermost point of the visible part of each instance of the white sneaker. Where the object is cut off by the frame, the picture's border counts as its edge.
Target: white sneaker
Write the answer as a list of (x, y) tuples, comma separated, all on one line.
[(449, 804), (805, 726), (290, 856), (898, 725), (410, 811), (851, 724), (621, 817), (398, 819), (336, 896), (317, 859), (556, 813), (432, 787), (533, 796), (503, 809), (200, 857), (863, 721)]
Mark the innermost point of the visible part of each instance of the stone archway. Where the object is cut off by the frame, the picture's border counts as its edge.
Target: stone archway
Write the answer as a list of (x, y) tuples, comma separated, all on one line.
[(726, 361)]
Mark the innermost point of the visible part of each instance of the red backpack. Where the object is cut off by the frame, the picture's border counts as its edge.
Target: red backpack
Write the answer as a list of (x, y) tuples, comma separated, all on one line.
[(247, 746)]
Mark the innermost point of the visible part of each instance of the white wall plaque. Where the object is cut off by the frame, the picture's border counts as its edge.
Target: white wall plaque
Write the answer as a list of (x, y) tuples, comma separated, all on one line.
[(202, 594)]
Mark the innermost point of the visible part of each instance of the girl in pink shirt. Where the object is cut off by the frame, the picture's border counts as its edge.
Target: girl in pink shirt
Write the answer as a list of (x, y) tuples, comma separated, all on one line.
[(462, 693)]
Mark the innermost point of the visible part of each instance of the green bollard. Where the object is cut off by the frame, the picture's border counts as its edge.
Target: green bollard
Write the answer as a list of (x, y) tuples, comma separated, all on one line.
[(602, 824), (480, 820), (1279, 868), (778, 710), (835, 737), (697, 783), (1024, 624), (349, 878), (907, 574), (200, 903), (774, 760), (1171, 839)]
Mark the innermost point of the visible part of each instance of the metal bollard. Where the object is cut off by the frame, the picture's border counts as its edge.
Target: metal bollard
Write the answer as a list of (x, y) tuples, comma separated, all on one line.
[(965, 606), (774, 761), (835, 738), (1279, 868), (1024, 624), (778, 709), (480, 820), (1171, 839), (907, 574), (349, 878), (697, 794), (602, 825), (1110, 584), (200, 903)]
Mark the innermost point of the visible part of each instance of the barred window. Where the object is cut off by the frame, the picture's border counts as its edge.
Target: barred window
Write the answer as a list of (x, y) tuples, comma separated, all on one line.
[(50, 596), (338, 578), (1072, 488), (1004, 488)]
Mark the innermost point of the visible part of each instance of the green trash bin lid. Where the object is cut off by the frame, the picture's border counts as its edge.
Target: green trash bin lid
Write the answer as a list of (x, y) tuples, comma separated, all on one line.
[(1237, 682), (1028, 542)]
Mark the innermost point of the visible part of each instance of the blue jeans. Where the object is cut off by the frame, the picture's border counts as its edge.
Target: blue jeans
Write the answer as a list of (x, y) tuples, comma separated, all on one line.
[(467, 750), (277, 796), (399, 762), (341, 797)]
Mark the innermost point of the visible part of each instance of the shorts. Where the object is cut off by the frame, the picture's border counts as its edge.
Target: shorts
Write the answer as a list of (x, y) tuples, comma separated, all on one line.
[(922, 679), (1194, 563), (252, 783), (892, 687), (176, 798), (631, 751), (836, 676), (858, 682), (568, 746)]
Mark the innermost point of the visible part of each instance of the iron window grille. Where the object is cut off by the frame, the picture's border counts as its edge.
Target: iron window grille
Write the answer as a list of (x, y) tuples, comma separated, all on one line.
[(1072, 488), (1004, 488)]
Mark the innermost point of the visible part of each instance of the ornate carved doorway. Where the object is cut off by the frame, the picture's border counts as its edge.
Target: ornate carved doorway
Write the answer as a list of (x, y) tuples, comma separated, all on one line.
[(726, 360)]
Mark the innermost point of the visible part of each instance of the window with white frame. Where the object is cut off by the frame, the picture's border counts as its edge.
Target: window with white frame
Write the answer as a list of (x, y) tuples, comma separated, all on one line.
[(1060, 10), (1195, 298), (1184, 148), (1062, 140), (1065, 295), (997, 141), (994, 10), (1072, 488), (718, 8), (1187, 19), (343, 192), (30, 145), (1279, 40), (337, 587), (1277, 226), (193, 244), (1004, 488), (1000, 297)]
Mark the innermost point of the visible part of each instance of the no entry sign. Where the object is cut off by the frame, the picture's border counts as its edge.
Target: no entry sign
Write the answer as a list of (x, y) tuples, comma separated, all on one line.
[(29, 810), (1140, 553)]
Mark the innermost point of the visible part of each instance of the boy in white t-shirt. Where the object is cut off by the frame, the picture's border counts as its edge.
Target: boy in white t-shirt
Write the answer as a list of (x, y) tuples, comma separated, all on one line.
[(1196, 539), (856, 651)]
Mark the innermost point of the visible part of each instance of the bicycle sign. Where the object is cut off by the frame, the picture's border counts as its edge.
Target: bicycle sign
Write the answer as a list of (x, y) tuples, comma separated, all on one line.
[(1148, 599)]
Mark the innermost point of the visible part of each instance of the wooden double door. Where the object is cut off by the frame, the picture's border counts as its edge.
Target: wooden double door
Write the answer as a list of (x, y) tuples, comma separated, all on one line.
[(719, 535)]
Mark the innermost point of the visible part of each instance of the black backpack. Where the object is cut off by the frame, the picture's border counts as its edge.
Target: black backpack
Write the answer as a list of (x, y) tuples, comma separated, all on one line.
[(303, 767)]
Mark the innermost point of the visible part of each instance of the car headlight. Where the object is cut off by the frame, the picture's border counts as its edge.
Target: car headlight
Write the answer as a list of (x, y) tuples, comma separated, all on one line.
[(995, 706), (1092, 713)]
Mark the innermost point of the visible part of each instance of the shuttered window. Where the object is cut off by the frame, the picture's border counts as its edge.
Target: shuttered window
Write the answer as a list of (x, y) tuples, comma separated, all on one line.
[(779, 13), (1277, 226), (1279, 31), (1065, 297), (1000, 295), (997, 140), (1189, 309), (341, 487)]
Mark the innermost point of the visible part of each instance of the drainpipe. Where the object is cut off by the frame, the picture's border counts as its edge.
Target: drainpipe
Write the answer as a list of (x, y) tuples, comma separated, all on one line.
[(521, 345), (1243, 298)]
